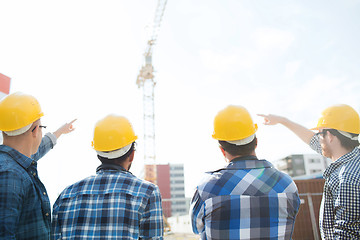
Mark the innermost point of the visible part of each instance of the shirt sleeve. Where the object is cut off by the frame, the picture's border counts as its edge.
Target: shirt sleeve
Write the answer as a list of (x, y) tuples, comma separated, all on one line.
[(47, 143), (197, 213), (347, 205), (315, 144), (151, 224), (11, 195)]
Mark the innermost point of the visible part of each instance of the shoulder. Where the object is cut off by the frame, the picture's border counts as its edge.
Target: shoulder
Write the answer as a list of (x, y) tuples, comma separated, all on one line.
[(109, 184), (14, 179), (260, 174), (10, 168), (282, 180), (83, 185), (350, 171), (212, 183), (143, 187), (7, 163)]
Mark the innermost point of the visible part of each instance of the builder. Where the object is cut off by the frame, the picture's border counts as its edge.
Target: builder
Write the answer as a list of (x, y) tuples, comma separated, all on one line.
[(337, 138), (113, 204), (248, 199), (24, 203)]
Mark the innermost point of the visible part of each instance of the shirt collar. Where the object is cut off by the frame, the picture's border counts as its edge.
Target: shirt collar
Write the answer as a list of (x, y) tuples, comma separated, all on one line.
[(340, 161), (250, 157), (246, 162), (20, 158), (110, 167)]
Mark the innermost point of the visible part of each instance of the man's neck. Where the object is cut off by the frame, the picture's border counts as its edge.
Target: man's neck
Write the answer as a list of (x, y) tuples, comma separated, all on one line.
[(115, 163), (231, 157), (338, 153), (19, 144)]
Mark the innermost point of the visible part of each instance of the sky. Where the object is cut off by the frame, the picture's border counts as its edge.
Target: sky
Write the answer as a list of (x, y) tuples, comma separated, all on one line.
[(81, 58)]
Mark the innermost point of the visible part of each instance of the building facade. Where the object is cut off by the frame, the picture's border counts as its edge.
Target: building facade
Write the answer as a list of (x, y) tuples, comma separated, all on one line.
[(171, 182), (177, 189), (302, 164)]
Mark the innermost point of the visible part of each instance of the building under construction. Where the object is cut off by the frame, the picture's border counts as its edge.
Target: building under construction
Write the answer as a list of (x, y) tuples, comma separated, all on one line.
[(170, 179)]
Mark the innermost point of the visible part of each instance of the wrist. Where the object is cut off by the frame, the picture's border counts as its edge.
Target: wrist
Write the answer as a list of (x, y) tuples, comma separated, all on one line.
[(57, 134), (284, 120)]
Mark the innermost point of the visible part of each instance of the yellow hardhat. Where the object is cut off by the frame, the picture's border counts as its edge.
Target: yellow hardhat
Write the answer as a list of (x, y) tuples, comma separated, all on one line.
[(18, 110), (112, 133), (233, 123), (340, 117)]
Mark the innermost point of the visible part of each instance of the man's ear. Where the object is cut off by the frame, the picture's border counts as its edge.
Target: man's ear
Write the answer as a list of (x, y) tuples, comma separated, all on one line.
[(222, 150), (330, 136), (131, 156), (35, 132)]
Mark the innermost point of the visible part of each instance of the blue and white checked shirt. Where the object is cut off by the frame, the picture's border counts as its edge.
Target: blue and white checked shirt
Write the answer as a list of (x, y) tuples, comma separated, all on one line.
[(339, 216), (249, 199), (24, 203), (113, 204)]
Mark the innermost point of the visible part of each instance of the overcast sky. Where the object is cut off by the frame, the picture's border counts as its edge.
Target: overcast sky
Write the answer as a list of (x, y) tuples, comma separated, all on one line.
[(80, 59)]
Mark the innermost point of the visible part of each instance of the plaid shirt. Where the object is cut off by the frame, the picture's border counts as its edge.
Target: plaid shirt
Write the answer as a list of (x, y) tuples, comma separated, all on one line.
[(24, 203), (114, 204), (249, 199), (340, 206)]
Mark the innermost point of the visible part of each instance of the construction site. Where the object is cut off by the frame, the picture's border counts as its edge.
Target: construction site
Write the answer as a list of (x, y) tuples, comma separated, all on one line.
[(169, 67)]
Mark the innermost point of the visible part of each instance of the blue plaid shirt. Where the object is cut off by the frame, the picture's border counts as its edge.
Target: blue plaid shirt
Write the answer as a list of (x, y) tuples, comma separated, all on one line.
[(339, 216), (24, 203), (249, 199), (114, 204)]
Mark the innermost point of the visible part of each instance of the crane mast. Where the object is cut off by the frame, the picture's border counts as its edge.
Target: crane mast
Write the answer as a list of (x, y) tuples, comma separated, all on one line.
[(146, 81)]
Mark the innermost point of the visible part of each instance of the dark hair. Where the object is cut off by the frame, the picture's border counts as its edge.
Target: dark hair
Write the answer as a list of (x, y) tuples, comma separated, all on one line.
[(345, 142), (239, 150), (119, 159)]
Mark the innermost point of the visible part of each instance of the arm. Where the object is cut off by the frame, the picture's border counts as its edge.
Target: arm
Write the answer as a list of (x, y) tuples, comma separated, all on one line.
[(50, 139), (197, 213), (10, 203), (47, 143), (64, 129), (302, 132), (151, 225)]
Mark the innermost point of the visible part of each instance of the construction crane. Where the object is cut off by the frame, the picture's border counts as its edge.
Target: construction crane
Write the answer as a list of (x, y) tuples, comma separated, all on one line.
[(146, 81)]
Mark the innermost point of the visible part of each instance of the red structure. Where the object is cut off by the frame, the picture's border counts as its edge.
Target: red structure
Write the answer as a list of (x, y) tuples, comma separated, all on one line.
[(163, 181), (307, 220), (4, 84), (170, 180)]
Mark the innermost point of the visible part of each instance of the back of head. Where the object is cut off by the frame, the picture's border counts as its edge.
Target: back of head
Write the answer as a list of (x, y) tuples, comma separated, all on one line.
[(18, 111), (113, 137), (235, 126)]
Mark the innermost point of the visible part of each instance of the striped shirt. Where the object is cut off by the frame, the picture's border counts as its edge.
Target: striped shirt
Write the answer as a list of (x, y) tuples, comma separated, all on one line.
[(249, 199), (24, 203), (113, 204), (339, 216)]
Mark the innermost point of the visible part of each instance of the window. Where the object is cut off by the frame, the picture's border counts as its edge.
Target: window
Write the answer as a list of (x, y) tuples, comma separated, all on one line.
[(177, 195), (177, 168), (313, 160), (177, 175), (177, 181), (298, 161), (315, 170)]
